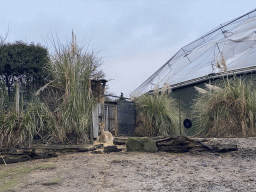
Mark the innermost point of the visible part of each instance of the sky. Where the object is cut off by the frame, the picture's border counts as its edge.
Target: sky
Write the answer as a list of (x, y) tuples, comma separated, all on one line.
[(134, 38)]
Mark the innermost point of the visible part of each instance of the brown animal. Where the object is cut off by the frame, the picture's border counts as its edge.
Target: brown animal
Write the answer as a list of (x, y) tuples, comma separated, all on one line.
[(105, 136)]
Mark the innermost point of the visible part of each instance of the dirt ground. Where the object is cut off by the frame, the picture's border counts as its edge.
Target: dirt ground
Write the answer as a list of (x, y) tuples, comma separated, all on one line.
[(123, 171)]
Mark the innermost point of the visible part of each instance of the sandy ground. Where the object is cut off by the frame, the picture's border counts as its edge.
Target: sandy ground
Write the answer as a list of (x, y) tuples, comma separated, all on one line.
[(122, 171)]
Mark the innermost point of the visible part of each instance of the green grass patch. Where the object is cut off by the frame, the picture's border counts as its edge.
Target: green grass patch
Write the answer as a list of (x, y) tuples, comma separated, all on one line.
[(44, 166), (117, 161), (54, 181), (10, 176)]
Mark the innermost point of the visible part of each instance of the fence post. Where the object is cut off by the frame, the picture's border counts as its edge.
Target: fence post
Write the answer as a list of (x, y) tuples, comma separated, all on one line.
[(17, 102), (179, 116)]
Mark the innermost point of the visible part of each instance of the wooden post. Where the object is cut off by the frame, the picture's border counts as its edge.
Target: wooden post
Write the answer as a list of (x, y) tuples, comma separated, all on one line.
[(17, 100), (179, 116), (116, 124)]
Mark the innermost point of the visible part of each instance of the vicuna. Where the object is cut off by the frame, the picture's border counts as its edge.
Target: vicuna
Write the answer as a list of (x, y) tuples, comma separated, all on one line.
[(105, 136)]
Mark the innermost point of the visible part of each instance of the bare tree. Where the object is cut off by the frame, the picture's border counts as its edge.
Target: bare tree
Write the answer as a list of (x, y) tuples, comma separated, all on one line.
[(3, 38)]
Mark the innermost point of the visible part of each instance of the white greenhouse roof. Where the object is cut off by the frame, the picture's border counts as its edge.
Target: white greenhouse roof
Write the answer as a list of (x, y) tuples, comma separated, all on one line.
[(235, 41)]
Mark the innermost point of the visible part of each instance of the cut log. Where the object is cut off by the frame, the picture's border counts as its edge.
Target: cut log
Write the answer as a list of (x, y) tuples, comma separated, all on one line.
[(222, 148), (119, 140), (182, 144), (15, 155), (13, 159), (96, 147), (179, 144), (109, 149)]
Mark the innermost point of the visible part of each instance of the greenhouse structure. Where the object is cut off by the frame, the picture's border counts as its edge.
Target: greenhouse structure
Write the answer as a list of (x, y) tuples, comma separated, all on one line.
[(228, 50)]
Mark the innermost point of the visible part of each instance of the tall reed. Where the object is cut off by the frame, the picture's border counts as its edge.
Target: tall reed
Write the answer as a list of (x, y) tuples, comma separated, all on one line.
[(38, 124), (157, 114), (227, 110), (61, 110), (19, 126), (71, 70), (8, 117)]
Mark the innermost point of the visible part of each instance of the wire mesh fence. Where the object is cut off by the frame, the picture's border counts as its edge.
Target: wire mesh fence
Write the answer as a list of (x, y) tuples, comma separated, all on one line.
[(235, 41)]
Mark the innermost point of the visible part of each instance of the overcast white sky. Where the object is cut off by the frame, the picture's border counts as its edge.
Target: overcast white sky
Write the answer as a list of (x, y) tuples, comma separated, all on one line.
[(134, 37)]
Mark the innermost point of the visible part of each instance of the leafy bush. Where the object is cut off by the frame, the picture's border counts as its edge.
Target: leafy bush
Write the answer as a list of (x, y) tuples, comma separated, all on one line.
[(227, 110), (157, 114)]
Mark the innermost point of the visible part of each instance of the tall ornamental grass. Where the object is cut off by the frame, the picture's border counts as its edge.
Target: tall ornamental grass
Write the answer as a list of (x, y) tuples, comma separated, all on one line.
[(20, 126), (157, 114), (227, 110), (9, 119), (38, 124), (71, 70), (58, 112)]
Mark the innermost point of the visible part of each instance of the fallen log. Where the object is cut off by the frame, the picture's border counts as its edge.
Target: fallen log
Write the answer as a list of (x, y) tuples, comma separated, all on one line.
[(15, 155), (182, 144), (7, 158), (109, 149), (120, 140), (222, 148), (179, 144)]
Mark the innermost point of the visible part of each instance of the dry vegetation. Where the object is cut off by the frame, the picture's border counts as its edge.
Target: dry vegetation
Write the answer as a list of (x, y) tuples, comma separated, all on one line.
[(228, 109), (157, 114), (60, 111)]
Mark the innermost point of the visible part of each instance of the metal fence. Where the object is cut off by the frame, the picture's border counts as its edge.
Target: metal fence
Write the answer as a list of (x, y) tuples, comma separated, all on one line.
[(126, 117)]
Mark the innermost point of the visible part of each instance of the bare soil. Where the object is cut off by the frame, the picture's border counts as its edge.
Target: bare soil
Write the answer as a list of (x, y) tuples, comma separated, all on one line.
[(123, 171)]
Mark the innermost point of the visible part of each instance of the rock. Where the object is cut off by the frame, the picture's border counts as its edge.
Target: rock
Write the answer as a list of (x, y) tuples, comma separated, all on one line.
[(142, 144)]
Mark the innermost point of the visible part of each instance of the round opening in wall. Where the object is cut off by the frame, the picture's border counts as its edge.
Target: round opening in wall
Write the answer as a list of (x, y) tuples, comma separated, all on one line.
[(187, 123)]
